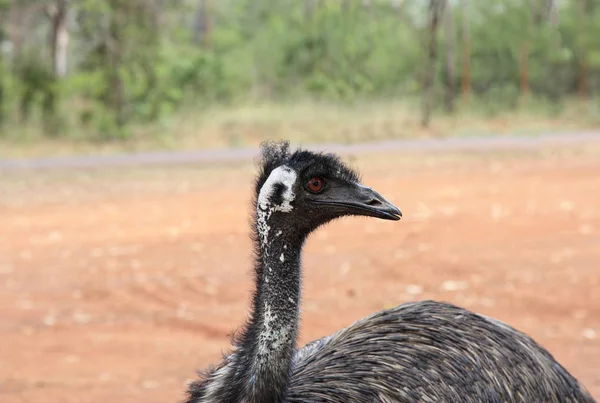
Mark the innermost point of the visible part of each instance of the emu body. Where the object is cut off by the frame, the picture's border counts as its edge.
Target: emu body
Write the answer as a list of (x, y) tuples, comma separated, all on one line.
[(417, 352)]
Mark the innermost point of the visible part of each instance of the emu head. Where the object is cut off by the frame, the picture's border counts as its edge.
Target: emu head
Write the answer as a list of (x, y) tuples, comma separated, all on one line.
[(300, 190)]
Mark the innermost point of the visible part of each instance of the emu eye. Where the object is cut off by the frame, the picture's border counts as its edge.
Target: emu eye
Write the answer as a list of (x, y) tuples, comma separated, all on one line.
[(315, 184)]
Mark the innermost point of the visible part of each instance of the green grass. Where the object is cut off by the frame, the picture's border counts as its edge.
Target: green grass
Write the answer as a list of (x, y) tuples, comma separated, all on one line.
[(302, 122)]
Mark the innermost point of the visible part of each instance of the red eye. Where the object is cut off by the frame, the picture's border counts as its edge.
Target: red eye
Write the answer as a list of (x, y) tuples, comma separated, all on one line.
[(315, 185)]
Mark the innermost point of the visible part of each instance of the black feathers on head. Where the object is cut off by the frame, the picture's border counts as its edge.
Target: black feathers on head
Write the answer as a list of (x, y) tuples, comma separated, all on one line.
[(272, 154), (276, 153)]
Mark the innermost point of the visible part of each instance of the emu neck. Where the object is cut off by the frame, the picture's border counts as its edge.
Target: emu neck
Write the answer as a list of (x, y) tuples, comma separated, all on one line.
[(269, 341)]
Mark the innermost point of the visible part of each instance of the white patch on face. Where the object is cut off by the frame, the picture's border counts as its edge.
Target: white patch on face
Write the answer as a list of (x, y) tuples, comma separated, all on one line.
[(284, 175), (264, 208)]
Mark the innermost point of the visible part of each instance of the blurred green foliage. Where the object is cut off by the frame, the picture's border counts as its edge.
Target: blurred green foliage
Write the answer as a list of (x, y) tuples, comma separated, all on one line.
[(137, 61)]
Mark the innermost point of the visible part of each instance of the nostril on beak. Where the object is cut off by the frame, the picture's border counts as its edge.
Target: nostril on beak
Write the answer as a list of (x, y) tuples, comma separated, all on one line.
[(374, 202)]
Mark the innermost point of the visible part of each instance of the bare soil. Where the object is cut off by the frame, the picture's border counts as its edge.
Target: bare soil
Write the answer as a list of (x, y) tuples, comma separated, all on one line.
[(117, 284)]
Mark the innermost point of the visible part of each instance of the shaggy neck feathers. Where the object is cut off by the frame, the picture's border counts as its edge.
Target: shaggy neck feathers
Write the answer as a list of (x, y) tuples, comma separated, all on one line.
[(270, 338), (258, 371)]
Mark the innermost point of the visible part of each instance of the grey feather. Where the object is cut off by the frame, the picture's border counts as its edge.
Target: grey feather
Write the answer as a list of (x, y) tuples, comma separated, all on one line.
[(429, 352)]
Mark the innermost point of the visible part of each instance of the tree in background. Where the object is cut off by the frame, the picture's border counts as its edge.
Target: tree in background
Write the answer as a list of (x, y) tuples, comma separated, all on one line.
[(4, 8), (530, 23), (436, 11), (100, 67), (203, 28), (59, 36), (450, 41), (585, 10), (466, 51)]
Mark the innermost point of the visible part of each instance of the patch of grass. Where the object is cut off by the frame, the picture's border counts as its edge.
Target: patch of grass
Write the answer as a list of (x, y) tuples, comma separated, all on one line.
[(307, 122)]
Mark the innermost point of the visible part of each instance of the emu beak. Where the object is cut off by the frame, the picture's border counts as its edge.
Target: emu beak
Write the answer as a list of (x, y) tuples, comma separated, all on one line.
[(362, 200)]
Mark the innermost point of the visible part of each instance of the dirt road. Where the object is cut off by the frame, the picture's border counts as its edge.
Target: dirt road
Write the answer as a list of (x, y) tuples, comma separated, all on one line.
[(116, 284)]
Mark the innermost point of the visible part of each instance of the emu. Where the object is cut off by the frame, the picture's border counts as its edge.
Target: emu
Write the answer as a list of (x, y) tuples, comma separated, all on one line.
[(417, 352)]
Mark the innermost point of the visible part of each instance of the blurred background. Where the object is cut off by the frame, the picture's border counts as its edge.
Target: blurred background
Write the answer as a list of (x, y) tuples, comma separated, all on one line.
[(127, 134), (230, 72)]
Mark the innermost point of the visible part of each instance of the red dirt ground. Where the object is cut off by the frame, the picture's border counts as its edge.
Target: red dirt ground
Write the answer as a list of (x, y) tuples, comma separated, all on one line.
[(118, 285)]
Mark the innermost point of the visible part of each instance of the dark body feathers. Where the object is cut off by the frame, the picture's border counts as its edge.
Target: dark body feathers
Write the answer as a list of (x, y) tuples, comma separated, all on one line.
[(430, 352), (427, 352)]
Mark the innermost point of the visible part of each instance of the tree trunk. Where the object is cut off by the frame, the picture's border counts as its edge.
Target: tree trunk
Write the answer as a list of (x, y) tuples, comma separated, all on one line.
[(2, 67), (155, 8), (524, 62), (309, 9), (450, 58), (524, 51), (466, 52), (553, 13), (553, 18), (116, 91), (436, 9), (59, 37), (582, 79), (18, 20), (203, 28)]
